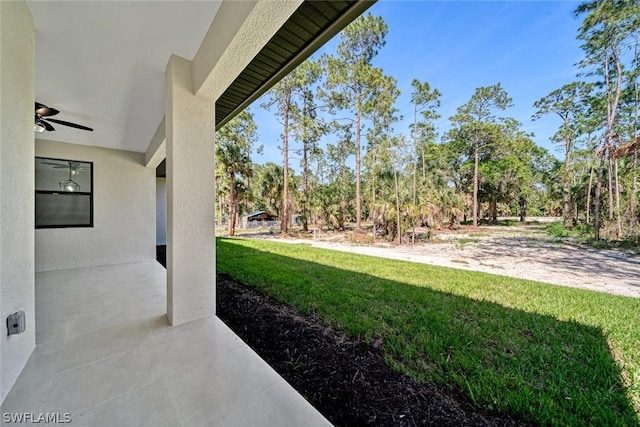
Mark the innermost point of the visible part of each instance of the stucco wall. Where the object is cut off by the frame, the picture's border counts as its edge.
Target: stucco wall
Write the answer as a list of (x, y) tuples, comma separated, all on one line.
[(161, 211), (191, 248), (17, 59), (235, 37), (123, 212)]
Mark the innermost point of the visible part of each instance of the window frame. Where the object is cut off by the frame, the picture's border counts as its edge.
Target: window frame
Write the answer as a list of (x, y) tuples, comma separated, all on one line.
[(90, 224)]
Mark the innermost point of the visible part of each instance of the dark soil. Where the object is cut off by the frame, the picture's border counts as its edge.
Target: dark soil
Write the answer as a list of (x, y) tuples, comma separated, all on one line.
[(345, 379)]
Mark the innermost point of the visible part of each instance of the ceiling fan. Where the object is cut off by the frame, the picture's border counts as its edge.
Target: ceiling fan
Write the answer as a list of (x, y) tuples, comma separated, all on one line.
[(42, 125), (74, 168)]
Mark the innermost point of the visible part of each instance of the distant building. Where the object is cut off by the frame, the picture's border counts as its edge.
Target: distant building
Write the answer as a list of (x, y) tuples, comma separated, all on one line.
[(259, 219)]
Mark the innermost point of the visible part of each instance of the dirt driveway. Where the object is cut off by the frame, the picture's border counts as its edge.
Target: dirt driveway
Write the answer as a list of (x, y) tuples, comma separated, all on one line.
[(522, 252)]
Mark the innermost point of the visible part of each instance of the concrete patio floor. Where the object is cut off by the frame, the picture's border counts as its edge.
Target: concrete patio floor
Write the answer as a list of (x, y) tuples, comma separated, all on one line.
[(107, 355)]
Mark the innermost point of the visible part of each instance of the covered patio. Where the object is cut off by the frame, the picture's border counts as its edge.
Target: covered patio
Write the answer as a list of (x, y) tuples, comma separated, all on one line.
[(107, 355), (110, 337)]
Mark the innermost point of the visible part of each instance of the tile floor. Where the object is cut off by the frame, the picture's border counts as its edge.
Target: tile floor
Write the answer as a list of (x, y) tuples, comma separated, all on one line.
[(107, 355)]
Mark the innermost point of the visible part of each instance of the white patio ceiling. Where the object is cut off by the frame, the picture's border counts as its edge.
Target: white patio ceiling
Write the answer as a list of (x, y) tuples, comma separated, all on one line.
[(102, 63)]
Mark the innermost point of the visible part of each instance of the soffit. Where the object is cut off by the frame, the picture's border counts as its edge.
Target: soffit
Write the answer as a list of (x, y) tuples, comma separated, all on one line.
[(102, 64), (310, 26)]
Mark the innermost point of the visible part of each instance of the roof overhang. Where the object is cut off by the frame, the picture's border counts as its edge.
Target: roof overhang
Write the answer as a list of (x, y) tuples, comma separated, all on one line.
[(309, 27)]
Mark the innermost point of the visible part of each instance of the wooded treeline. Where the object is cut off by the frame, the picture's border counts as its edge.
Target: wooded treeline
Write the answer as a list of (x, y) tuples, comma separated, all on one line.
[(369, 169)]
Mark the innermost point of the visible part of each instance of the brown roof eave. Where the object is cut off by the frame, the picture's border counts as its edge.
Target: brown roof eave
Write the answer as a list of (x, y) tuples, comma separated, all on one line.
[(227, 108)]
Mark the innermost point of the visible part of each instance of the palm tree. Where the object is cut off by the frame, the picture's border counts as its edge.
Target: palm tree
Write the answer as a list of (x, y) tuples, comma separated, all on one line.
[(270, 183), (234, 143), (234, 162)]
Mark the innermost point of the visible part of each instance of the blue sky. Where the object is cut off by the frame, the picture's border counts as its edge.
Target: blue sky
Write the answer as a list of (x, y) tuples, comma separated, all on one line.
[(529, 47)]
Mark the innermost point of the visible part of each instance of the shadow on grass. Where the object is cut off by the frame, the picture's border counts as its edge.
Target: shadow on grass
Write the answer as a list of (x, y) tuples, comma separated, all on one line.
[(542, 369)]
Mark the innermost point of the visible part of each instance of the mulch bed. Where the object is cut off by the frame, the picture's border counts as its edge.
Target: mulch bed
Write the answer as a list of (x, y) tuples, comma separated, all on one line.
[(345, 379)]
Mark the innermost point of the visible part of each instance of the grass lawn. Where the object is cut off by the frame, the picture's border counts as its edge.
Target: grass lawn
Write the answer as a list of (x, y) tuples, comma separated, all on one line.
[(552, 355)]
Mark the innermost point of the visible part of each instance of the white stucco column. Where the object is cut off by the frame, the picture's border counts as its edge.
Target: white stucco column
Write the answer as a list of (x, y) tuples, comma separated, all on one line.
[(190, 129), (17, 186)]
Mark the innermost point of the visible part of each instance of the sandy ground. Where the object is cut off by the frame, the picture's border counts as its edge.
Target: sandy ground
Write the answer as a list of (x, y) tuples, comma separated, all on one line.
[(522, 252)]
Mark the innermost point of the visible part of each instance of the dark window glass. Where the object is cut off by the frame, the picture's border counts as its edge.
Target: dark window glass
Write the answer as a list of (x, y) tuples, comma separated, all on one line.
[(64, 193)]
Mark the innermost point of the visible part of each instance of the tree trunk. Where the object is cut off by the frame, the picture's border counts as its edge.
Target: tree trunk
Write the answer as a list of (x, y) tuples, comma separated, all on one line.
[(493, 211), (221, 210), (523, 209), (373, 196), (395, 181), (358, 201), (415, 152), (305, 173), (424, 167), (415, 171), (589, 195), (415, 190), (476, 160), (634, 183), (247, 202), (566, 185), (612, 107), (596, 208), (634, 195), (232, 204), (618, 215), (610, 182), (236, 221), (284, 220), (342, 203), (305, 189)]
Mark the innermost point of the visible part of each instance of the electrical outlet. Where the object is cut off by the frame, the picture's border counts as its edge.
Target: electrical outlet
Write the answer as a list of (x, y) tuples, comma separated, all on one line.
[(16, 323)]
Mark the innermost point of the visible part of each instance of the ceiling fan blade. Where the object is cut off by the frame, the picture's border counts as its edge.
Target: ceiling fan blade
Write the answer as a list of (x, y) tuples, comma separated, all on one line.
[(47, 125), (44, 111), (74, 165), (73, 125)]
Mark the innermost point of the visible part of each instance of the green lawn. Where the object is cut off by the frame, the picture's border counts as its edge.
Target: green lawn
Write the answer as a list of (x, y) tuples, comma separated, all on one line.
[(552, 355)]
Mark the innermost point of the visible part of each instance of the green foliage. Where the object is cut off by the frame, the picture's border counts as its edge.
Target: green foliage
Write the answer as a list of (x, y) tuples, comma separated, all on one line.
[(570, 103), (608, 29), (234, 143), (476, 129), (606, 25), (557, 229), (485, 164), (425, 102), (497, 161), (550, 355), (269, 181), (352, 83), (480, 108)]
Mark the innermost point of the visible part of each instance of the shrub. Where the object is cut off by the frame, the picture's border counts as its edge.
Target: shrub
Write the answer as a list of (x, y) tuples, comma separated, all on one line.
[(557, 229)]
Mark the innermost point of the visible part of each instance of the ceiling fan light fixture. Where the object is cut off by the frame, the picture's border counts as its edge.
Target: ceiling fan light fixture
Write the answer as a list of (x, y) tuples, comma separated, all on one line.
[(69, 186), (39, 127), (42, 125)]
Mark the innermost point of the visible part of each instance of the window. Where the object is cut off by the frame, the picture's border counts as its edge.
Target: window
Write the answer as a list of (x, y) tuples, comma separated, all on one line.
[(64, 193)]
